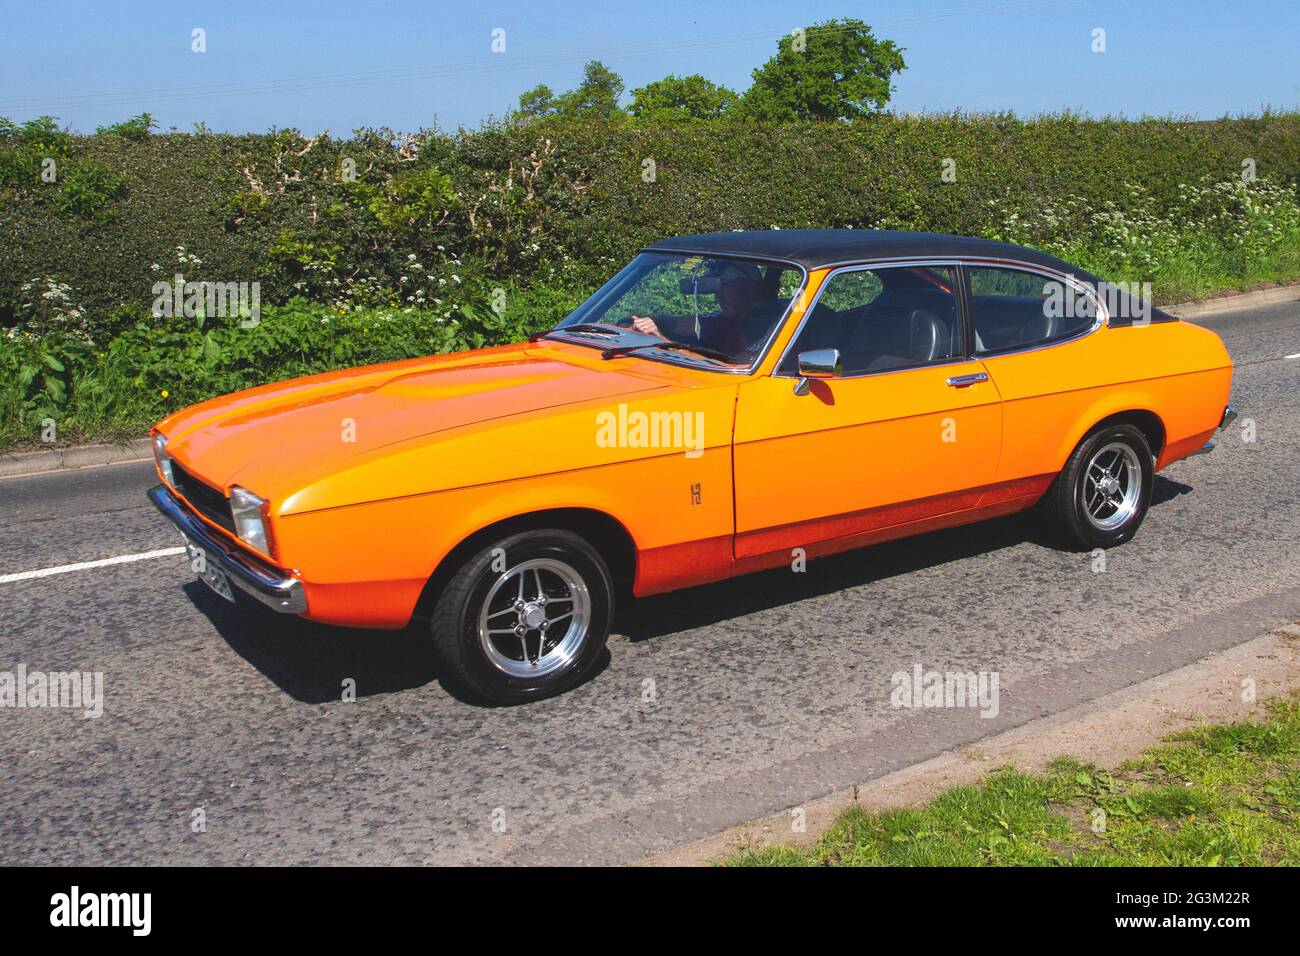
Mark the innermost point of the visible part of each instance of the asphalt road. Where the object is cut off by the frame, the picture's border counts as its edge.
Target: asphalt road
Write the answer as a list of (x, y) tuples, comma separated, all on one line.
[(718, 704)]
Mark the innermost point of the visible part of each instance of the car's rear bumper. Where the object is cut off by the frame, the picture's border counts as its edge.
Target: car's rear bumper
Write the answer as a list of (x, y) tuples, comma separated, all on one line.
[(259, 580), (1229, 416)]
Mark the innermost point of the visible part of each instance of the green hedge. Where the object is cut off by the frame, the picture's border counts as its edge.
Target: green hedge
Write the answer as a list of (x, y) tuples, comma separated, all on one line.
[(442, 242), (160, 365), (559, 203)]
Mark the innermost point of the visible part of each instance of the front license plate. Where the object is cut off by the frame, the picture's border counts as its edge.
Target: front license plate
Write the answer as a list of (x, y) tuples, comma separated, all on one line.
[(209, 572)]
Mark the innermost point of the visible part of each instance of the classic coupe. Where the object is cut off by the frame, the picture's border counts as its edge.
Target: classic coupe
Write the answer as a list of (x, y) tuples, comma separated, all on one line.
[(727, 403)]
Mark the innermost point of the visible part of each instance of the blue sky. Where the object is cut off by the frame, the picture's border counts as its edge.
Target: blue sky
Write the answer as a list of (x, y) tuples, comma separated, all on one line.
[(1200, 58)]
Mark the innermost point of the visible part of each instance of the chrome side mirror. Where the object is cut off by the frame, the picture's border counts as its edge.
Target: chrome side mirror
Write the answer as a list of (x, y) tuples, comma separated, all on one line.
[(818, 364)]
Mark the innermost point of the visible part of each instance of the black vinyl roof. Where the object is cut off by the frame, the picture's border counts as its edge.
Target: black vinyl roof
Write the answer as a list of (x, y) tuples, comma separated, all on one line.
[(817, 248)]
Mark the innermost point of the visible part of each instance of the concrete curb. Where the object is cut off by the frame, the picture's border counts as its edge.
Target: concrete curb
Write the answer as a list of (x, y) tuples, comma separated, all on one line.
[(1229, 303), (73, 457), (87, 456)]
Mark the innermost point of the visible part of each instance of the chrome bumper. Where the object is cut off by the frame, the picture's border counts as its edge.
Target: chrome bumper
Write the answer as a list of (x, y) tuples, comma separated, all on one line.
[(1229, 416), (253, 577)]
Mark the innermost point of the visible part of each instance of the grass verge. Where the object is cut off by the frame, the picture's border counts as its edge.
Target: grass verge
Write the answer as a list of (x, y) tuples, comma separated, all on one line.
[(1219, 795)]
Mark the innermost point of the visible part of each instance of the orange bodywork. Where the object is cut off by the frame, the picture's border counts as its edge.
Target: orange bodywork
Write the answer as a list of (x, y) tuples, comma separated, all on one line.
[(375, 475)]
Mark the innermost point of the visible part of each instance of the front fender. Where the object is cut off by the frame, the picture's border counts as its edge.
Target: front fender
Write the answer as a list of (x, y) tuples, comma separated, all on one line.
[(367, 564)]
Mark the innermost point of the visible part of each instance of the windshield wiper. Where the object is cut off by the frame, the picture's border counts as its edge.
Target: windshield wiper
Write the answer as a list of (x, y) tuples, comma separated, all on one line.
[(668, 344), (585, 327)]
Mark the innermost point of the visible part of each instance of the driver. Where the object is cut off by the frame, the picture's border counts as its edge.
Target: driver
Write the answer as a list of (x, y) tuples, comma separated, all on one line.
[(742, 319)]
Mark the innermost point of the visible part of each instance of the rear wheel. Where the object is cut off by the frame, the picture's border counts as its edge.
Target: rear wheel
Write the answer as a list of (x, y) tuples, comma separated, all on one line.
[(525, 617), (1101, 496)]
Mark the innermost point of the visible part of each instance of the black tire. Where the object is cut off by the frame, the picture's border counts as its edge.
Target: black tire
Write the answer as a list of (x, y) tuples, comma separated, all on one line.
[(492, 673), (1065, 509)]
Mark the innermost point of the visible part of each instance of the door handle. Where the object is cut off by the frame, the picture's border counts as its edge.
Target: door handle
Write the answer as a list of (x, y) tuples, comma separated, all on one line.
[(965, 381)]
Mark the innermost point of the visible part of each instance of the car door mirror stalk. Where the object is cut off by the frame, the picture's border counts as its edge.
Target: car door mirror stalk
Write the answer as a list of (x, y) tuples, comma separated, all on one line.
[(818, 364)]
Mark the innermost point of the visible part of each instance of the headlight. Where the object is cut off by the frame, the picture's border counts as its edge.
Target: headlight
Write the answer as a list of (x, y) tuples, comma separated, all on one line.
[(164, 460), (249, 512)]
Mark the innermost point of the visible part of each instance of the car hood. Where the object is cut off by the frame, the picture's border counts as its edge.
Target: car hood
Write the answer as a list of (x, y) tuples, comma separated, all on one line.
[(274, 438)]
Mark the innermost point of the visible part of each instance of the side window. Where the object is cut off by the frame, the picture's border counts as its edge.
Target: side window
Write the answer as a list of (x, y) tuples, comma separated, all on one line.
[(881, 319), (1014, 309)]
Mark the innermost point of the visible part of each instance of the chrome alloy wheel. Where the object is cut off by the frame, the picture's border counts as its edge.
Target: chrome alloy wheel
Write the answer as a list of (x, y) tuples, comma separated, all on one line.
[(1112, 486), (534, 619)]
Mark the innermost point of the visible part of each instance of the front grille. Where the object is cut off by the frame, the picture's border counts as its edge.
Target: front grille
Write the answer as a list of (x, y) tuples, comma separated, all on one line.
[(210, 502)]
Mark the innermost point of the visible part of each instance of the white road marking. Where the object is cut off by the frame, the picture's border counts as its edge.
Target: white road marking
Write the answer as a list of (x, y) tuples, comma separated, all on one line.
[(1297, 355), (85, 565)]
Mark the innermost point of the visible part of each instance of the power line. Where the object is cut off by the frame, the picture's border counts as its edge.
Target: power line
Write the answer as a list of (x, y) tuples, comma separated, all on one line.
[(498, 64)]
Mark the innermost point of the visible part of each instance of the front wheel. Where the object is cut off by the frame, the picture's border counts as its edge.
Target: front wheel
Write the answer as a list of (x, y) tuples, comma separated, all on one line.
[(1101, 496), (525, 617)]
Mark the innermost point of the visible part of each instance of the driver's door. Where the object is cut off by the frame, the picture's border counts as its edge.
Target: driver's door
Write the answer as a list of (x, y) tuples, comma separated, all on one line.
[(908, 435)]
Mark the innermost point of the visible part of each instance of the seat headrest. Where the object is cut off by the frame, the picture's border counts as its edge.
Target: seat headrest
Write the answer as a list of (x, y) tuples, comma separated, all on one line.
[(927, 336), (1040, 324)]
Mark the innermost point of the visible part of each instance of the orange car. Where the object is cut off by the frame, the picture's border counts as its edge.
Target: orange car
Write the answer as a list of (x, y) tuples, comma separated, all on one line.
[(726, 403)]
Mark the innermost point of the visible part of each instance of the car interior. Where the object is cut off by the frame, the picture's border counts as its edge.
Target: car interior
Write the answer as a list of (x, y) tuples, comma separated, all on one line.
[(912, 321), (1014, 321)]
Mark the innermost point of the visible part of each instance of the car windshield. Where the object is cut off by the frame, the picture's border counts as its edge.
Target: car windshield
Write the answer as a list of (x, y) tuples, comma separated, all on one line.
[(727, 308)]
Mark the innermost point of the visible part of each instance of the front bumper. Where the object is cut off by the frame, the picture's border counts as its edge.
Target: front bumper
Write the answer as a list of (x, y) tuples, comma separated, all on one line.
[(255, 578)]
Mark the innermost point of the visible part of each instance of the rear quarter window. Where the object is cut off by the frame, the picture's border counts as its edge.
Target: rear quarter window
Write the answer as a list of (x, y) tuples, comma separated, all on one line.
[(1015, 308)]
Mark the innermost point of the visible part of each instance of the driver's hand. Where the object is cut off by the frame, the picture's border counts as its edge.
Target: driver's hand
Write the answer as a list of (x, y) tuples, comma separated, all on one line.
[(646, 325)]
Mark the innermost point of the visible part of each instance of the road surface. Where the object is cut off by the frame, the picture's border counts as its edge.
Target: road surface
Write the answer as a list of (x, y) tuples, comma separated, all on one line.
[(717, 705)]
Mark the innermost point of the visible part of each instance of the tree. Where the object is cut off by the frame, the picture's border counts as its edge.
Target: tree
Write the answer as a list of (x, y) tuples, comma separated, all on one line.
[(676, 98), (537, 102), (842, 72), (596, 96)]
